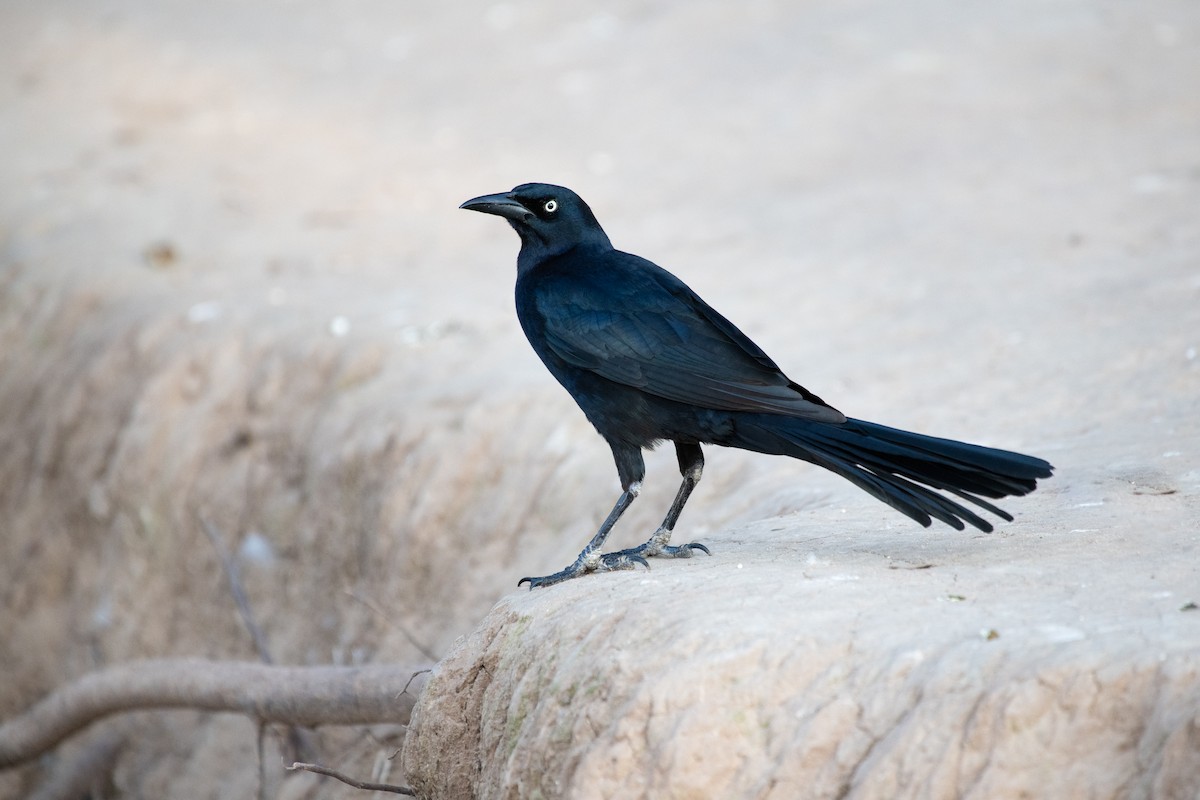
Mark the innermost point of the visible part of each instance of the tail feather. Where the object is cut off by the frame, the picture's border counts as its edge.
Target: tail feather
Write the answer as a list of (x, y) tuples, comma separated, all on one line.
[(909, 498), (903, 469)]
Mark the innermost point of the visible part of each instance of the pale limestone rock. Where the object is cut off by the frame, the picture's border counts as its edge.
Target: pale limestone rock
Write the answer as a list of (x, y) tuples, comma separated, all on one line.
[(829, 676)]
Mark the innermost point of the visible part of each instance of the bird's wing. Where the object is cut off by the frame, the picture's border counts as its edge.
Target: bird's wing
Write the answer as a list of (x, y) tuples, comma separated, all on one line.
[(645, 328)]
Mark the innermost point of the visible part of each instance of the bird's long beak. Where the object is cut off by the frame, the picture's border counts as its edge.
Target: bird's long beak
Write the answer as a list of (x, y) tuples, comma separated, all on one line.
[(502, 205)]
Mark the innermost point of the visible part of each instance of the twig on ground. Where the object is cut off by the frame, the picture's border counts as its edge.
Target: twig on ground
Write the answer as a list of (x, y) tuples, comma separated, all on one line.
[(346, 779), (413, 677)]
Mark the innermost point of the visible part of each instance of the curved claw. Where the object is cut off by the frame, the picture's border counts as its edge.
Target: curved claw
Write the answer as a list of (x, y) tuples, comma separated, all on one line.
[(623, 560), (550, 580), (684, 550)]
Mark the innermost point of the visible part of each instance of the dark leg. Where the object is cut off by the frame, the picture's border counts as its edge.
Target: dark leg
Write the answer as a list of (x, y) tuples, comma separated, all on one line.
[(631, 470), (691, 466)]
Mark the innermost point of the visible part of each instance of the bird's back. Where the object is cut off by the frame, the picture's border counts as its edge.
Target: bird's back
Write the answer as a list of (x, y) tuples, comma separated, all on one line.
[(600, 314)]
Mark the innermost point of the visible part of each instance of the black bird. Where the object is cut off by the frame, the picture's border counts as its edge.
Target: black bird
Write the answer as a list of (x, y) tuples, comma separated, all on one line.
[(647, 360)]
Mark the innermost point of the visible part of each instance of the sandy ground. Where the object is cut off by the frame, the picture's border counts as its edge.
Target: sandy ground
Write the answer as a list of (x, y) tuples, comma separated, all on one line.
[(236, 284)]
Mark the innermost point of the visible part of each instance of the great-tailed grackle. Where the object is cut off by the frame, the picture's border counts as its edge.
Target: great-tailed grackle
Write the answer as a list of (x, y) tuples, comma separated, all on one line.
[(647, 360)]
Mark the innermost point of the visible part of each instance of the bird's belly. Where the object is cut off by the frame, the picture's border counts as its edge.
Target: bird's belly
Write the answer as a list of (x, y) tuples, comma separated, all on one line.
[(630, 416)]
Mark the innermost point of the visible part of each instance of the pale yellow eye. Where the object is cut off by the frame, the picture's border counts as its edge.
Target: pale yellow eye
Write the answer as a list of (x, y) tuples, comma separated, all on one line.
[(550, 206)]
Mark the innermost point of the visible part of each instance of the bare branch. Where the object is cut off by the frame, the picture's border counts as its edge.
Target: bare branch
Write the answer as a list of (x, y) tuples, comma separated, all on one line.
[(78, 776), (260, 742), (304, 696), (234, 576), (393, 623), (301, 743), (367, 785), (417, 676)]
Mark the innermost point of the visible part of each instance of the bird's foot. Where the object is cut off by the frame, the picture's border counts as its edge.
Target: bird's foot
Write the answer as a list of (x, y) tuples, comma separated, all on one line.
[(589, 562), (621, 559), (657, 545), (648, 550), (683, 550)]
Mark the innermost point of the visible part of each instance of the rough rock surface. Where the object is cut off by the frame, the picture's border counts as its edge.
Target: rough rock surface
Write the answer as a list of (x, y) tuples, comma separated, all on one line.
[(796, 663), (235, 285)]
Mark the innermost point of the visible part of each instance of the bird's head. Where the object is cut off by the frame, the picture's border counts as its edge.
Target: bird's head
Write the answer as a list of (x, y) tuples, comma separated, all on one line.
[(549, 219)]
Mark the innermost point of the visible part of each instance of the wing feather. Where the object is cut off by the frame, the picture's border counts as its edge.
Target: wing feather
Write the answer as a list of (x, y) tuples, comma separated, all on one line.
[(648, 330)]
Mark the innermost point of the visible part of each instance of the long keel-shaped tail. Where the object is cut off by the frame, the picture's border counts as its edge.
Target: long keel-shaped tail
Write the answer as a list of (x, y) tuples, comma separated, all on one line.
[(901, 468)]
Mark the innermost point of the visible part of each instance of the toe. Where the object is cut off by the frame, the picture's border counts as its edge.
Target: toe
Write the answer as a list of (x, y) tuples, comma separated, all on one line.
[(685, 550), (622, 560)]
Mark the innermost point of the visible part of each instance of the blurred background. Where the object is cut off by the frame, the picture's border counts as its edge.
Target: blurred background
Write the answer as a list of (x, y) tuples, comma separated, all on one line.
[(235, 287)]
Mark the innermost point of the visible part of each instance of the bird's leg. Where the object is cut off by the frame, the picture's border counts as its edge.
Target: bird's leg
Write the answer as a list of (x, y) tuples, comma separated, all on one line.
[(590, 559), (691, 466)]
